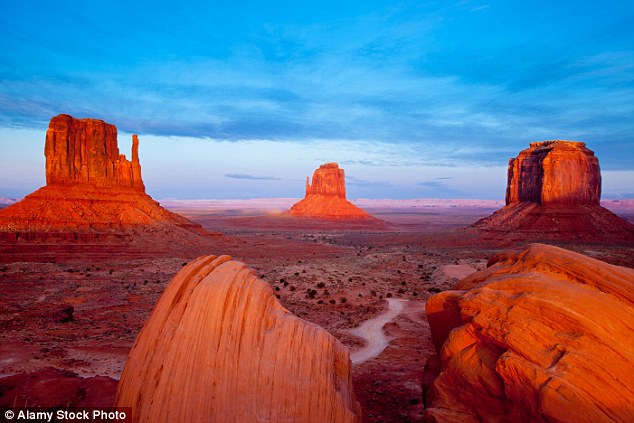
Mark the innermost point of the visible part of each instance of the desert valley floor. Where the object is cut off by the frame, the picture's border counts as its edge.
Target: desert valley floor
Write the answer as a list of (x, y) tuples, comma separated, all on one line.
[(79, 307)]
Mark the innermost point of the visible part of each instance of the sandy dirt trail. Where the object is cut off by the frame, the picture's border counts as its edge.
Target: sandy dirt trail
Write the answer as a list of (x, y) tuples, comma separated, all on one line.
[(372, 332)]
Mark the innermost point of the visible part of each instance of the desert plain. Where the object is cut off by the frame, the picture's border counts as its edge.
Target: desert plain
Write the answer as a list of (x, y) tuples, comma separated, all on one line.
[(78, 306)]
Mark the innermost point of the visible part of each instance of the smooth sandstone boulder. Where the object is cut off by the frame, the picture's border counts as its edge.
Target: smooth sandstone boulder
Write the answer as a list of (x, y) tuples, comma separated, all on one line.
[(545, 335), (219, 347), (326, 197)]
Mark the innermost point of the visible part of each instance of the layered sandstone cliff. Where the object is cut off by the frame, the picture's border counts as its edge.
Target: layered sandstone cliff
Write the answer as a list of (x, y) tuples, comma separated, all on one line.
[(220, 347), (539, 336), (85, 151), (553, 192), (554, 172), (326, 197), (90, 188)]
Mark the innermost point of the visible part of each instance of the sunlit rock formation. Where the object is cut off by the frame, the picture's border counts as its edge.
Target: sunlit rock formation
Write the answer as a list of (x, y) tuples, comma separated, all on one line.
[(326, 197), (220, 347), (544, 335), (91, 188), (553, 192), (85, 152)]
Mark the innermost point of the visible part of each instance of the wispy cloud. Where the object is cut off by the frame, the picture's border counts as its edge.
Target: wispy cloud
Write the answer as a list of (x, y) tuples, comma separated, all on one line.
[(351, 180), (251, 177), (442, 84)]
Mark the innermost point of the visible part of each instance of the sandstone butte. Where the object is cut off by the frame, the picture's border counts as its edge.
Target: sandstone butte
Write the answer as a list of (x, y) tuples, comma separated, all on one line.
[(544, 335), (326, 197), (553, 192), (218, 346), (90, 188)]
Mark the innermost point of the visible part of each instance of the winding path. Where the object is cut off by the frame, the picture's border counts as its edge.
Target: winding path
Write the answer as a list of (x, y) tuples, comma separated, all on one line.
[(372, 332)]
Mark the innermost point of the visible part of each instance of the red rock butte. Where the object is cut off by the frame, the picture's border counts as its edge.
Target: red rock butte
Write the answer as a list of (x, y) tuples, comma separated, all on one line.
[(218, 346), (91, 189), (553, 192), (326, 197), (544, 335)]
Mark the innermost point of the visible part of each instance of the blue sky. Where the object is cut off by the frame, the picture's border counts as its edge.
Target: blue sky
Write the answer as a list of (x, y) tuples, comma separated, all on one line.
[(244, 99)]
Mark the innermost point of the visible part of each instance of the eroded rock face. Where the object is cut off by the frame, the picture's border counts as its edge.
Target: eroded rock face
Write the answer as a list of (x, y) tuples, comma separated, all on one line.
[(540, 336), (91, 190), (326, 197), (85, 151), (554, 172), (553, 192), (220, 347)]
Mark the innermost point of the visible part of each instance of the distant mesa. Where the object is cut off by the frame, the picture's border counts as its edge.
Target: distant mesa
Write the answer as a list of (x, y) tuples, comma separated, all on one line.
[(542, 335), (553, 192), (326, 197), (220, 347), (91, 189)]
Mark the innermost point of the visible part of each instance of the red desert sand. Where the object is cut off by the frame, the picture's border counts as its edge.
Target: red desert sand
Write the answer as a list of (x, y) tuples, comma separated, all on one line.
[(83, 266)]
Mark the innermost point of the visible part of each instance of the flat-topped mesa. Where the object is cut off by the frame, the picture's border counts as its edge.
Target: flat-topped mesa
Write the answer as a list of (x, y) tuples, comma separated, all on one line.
[(92, 192), (554, 192), (554, 172), (326, 197), (85, 152), (328, 180)]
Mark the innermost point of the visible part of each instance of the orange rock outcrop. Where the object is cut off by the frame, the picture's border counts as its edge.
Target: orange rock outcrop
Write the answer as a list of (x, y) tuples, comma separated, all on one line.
[(85, 151), (326, 197), (553, 192), (220, 347), (91, 189), (554, 172), (539, 336)]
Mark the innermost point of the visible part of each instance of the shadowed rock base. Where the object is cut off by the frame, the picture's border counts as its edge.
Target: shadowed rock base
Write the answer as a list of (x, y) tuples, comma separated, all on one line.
[(540, 336), (220, 347), (532, 221)]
